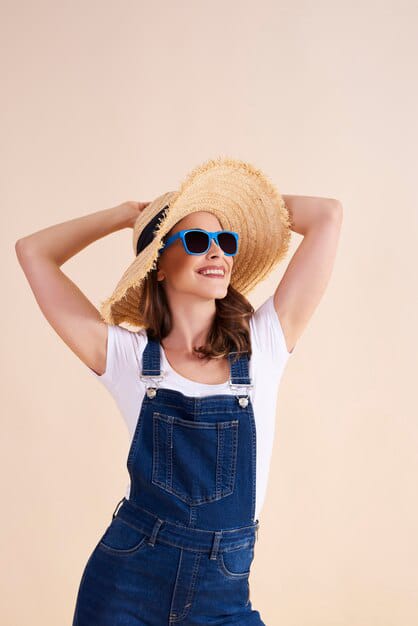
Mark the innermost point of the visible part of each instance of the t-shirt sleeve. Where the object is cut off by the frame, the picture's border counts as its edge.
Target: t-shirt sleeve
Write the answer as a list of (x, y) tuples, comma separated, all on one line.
[(123, 350), (267, 331)]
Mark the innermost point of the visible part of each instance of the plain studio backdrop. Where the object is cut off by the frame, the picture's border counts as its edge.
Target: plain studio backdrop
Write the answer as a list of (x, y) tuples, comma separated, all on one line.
[(105, 102)]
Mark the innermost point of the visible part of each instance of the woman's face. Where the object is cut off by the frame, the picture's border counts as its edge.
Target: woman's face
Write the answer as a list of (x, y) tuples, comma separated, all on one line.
[(179, 270)]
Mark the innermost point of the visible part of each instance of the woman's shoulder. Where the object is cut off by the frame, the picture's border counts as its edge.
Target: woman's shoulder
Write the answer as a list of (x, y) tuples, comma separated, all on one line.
[(123, 353), (267, 337)]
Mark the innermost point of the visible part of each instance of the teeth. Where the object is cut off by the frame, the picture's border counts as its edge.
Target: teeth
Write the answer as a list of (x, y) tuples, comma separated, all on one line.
[(219, 272)]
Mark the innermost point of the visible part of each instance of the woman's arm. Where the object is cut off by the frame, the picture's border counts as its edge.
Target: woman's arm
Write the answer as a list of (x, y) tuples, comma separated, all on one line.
[(64, 305), (309, 270)]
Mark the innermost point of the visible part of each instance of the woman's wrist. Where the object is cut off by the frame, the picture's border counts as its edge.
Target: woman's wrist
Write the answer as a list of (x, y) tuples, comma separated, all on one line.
[(128, 211), (61, 241), (124, 214)]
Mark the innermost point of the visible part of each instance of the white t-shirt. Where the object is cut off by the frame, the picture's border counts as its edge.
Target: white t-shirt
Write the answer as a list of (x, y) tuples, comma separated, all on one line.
[(266, 366)]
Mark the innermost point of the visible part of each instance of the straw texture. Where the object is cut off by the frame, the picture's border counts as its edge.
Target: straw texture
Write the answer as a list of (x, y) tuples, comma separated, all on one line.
[(242, 198)]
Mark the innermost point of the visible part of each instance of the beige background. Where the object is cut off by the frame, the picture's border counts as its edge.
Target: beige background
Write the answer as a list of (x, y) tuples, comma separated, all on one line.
[(106, 102)]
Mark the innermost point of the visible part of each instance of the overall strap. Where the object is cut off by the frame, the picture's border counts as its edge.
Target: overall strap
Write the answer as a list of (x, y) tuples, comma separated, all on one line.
[(240, 380), (151, 367)]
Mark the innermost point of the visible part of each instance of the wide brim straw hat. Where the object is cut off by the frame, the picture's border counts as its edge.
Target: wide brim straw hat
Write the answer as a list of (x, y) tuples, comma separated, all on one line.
[(242, 198)]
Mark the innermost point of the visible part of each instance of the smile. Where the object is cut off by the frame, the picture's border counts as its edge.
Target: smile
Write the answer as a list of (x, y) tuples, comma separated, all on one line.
[(212, 274)]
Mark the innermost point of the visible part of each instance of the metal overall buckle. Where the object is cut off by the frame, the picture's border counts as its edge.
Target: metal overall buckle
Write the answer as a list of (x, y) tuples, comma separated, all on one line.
[(151, 390), (242, 399)]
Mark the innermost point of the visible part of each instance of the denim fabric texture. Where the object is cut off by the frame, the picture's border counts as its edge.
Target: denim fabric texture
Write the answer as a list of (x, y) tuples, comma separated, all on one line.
[(180, 549)]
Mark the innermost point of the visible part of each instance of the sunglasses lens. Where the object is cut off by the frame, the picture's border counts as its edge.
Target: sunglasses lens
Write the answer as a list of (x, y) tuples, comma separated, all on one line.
[(197, 241), (228, 243)]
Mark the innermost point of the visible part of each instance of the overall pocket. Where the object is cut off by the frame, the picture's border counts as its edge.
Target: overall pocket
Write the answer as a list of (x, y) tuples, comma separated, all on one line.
[(195, 461), (122, 538), (236, 563)]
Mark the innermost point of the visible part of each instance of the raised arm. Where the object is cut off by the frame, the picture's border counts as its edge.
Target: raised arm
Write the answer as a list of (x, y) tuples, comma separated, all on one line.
[(74, 318), (307, 275)]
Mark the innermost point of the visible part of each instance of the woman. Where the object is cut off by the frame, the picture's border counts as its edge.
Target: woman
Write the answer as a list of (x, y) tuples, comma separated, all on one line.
[(197, 384)]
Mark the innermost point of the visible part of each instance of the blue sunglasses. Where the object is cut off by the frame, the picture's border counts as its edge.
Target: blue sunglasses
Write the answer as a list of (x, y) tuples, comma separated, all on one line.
[(198, 241)]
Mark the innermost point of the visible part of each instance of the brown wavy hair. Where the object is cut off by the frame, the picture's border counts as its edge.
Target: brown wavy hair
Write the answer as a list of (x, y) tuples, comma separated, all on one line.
[(230, 329)]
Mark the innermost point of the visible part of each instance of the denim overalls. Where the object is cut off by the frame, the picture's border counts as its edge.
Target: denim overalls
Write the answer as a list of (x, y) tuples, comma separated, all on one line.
[(179, 550)]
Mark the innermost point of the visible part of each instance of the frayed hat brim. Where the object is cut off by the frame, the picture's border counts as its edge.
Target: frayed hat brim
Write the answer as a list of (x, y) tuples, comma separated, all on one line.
[(242, 198)]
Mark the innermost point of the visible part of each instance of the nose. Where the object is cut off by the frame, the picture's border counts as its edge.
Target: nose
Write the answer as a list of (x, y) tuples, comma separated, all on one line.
[(214, 248)]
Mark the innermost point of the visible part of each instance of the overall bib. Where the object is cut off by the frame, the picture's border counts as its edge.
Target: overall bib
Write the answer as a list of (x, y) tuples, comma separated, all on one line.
[(179, 550)]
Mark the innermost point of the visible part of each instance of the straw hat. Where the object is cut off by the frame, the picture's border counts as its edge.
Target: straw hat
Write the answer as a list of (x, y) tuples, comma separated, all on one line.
[(243, 200)]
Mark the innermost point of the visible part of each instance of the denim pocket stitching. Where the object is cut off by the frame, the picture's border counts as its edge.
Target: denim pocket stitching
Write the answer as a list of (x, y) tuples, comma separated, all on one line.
[(226, 571), (122, 551), (166, 485)]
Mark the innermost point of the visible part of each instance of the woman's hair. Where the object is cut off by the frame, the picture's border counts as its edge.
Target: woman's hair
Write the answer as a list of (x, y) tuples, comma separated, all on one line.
[(230, 329)]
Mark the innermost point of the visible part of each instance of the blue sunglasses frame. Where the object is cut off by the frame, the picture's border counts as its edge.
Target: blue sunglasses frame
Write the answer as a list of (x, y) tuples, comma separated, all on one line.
[(212, 235)]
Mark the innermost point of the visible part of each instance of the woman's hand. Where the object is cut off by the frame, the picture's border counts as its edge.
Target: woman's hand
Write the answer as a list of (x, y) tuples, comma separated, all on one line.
[(131, 210)]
